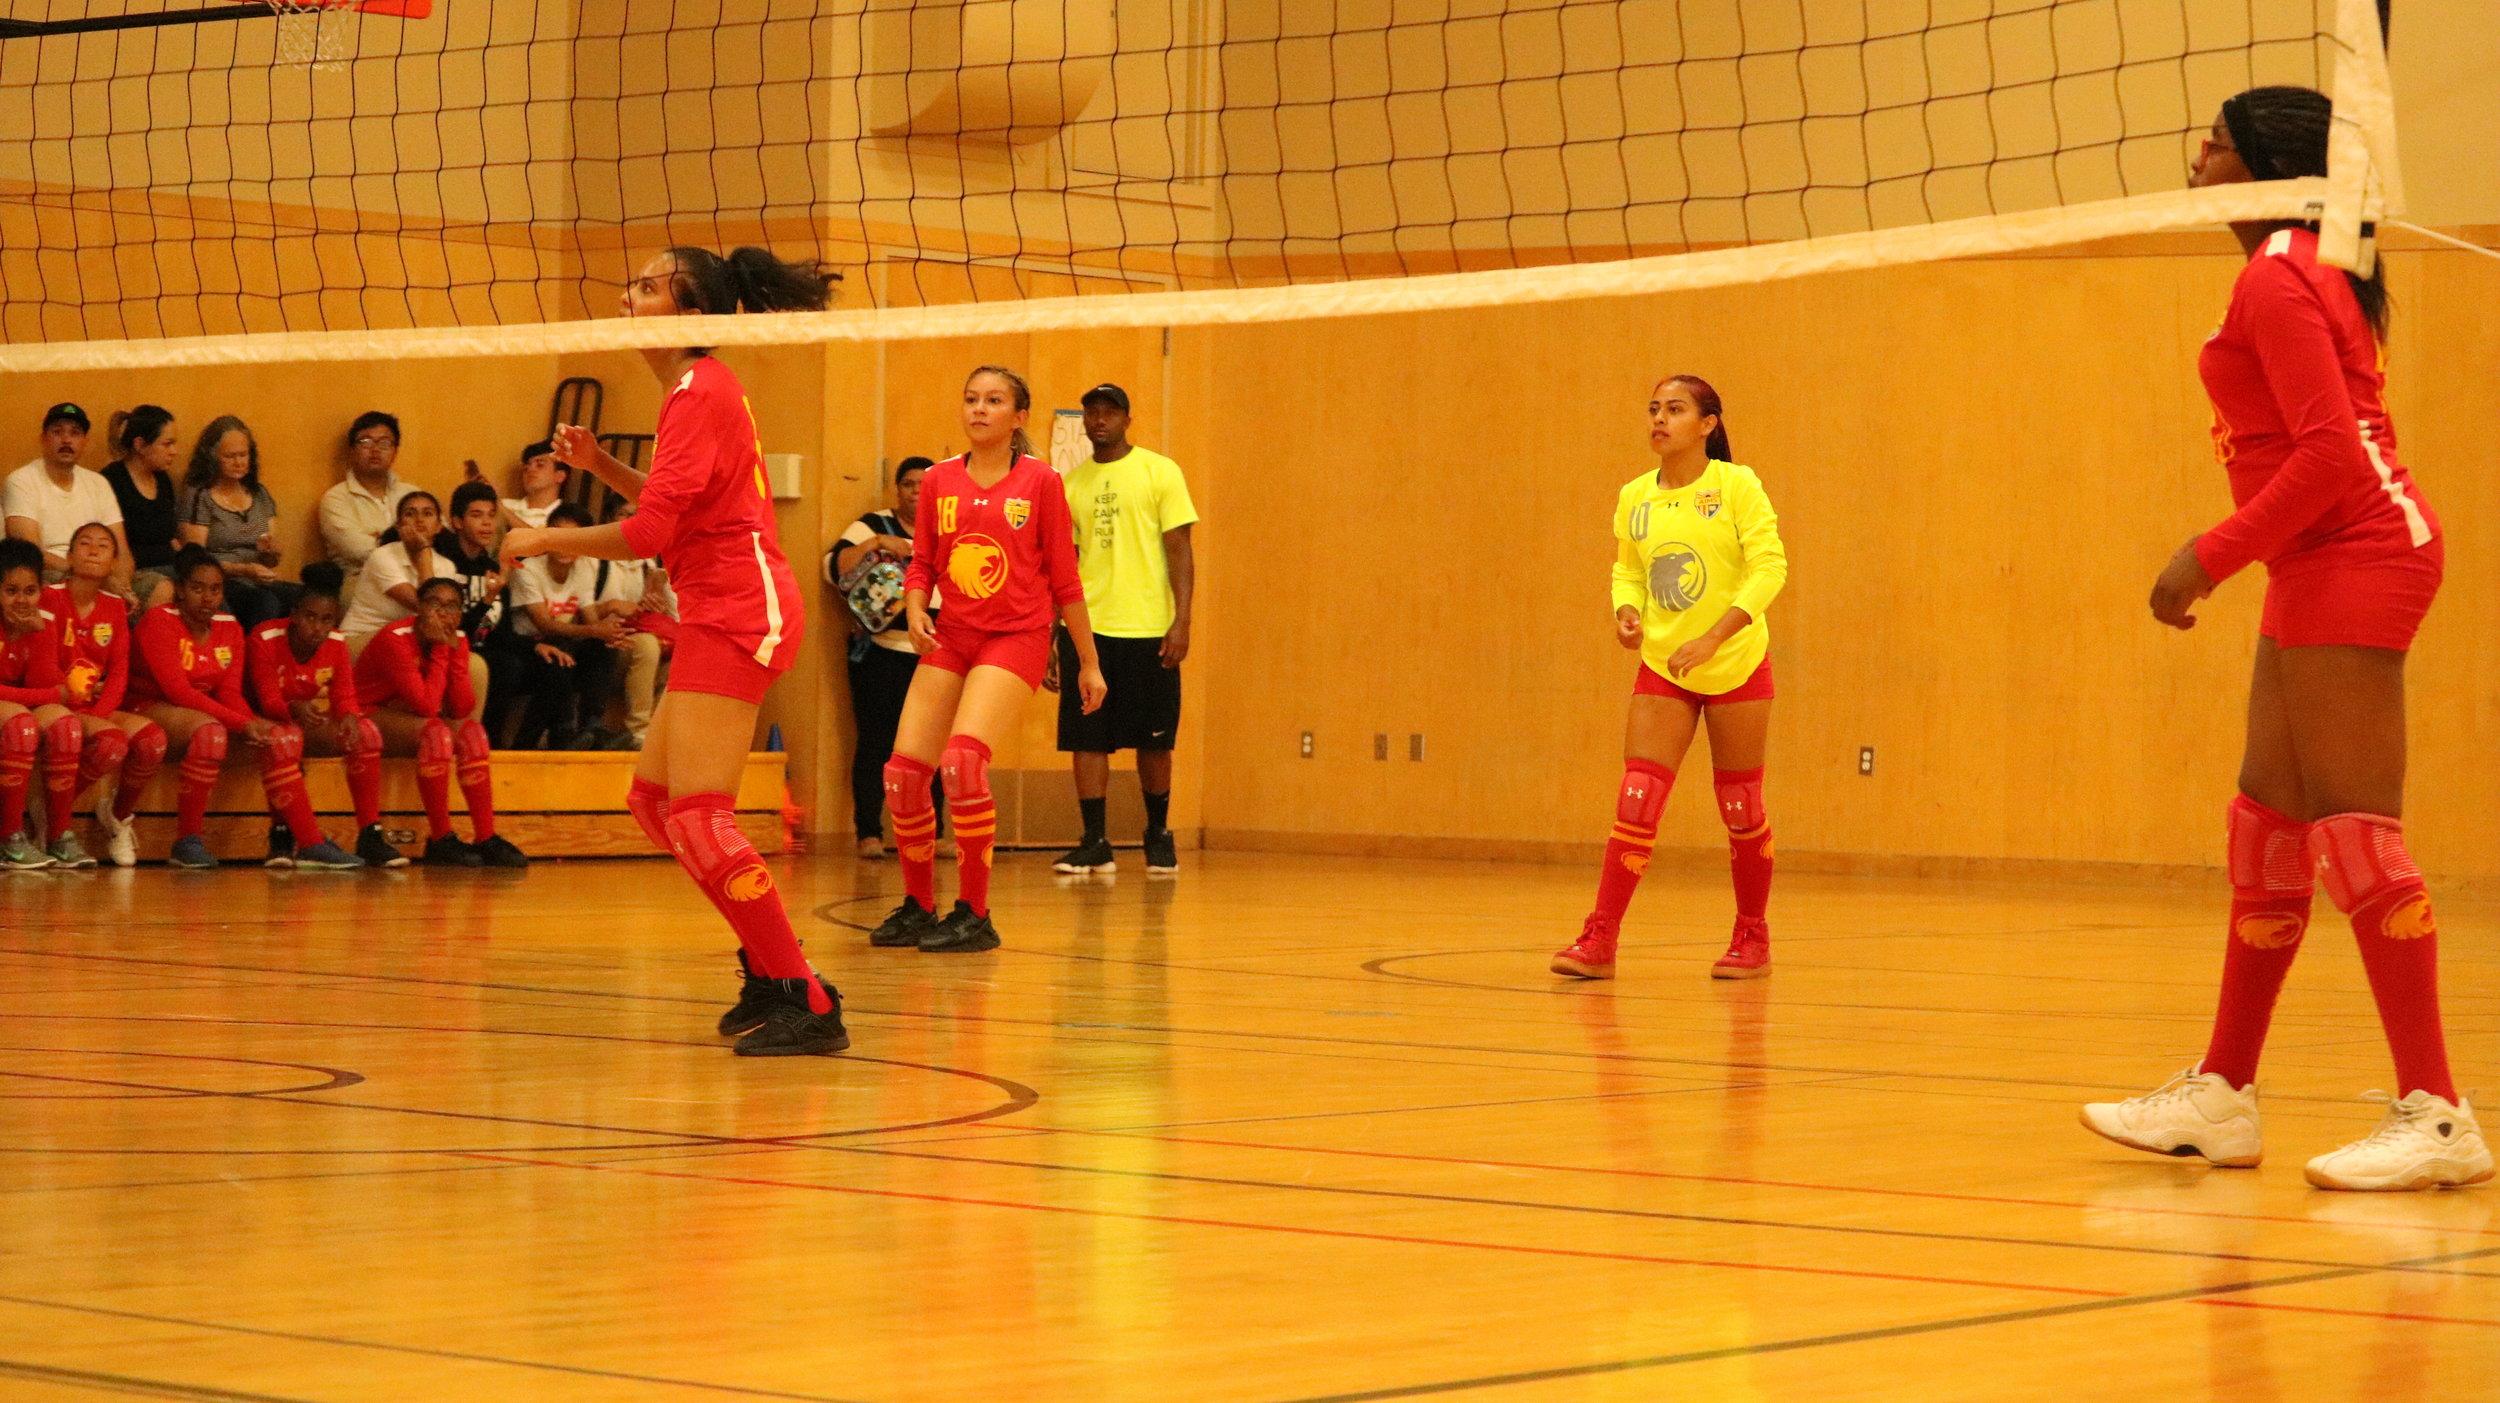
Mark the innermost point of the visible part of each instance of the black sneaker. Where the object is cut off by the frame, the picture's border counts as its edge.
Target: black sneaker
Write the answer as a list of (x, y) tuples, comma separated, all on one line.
[(907, 924), (499, 852), (1161, 856), (1087, 857), (791, 1030), (378, 851), (281, 847), (449, 851), (961, 933), (757, 997)]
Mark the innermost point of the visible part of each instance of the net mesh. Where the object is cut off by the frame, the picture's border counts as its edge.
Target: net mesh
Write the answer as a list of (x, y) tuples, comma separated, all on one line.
[(467, 165)]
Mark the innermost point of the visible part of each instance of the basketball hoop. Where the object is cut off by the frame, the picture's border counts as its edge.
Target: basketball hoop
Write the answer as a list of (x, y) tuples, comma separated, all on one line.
[(315, 34)]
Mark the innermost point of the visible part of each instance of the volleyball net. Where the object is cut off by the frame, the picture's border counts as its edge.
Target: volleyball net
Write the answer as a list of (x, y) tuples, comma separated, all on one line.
[(296, 180)]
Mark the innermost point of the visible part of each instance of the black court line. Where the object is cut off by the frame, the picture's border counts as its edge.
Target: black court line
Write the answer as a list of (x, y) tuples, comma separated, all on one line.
[(1851, 1337), (462, 1356), (132, 1387), (1717, 1220), (245, 1181)]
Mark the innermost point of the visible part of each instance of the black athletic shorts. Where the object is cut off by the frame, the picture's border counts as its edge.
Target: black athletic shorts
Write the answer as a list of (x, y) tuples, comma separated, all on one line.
[(1143, 711)]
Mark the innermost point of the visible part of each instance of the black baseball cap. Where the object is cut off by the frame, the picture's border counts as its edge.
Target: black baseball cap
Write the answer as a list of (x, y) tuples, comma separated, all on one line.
[(1111, 392), (78, 416)]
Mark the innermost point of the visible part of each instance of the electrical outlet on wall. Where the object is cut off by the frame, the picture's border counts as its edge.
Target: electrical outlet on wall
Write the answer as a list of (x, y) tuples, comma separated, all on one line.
[(1866, 759), (1306, 745)]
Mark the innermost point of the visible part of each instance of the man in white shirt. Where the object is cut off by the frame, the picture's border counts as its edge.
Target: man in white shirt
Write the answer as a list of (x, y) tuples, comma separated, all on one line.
[(542, 486), (364, 504), (47, 500), (572, 642)]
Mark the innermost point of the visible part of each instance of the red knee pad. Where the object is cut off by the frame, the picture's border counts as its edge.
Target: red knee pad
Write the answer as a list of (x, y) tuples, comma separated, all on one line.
[(63, 739), (469, 744), (1740, 799), (2269, 854), (2363, 861), (366, 740), (907, 786), (207, 749), (284, 748), (648, 803), (1644, 793), (967, 766), (21, 735), (434, 750), (703, 832), (106, 749), (147, 748)]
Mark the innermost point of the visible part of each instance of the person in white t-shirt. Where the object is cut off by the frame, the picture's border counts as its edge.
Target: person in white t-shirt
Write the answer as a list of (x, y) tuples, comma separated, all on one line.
[(556, 610), (47, 500), (386, 589), (360, 507), (638, 592), (542, 486)]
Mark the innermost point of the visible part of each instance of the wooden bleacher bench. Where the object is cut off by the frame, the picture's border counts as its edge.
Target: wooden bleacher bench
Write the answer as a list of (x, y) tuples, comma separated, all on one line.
[(552, 803)]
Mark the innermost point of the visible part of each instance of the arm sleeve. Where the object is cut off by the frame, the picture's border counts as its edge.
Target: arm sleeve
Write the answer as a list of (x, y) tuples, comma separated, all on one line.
[(2296, 347), (680, 470), (404, 685), (1173, 508), (343, 700), (1766, 557), (15, 498), (115, 683), (463, 698), (1058, 535), (1631, 581), (349, 545), (268, 688), (160, 648), (43, 672), (230, 693), (921, 574)]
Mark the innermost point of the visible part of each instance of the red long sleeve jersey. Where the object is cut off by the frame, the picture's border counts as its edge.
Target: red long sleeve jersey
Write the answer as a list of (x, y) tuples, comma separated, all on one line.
[(396, 672), (95, 648), (185, 671), (707, 513), (1007, 552), (280, 679), (2300, 422), (30, 665)]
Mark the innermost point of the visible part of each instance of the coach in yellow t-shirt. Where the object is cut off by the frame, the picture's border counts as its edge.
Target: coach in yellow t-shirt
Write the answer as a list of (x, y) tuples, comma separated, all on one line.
[(1133, 515)]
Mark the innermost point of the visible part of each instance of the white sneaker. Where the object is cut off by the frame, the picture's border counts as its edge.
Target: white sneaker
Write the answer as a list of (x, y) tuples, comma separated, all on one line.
[(2423, 1143), (121, 835), (2194, 1113)]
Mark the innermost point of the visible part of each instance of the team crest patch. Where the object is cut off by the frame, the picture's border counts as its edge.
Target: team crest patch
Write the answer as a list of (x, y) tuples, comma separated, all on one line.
[(104, 635), (2411, 920), (225, 657), (751, 884), (2268, 930), (1707, 502), (1019, 511)]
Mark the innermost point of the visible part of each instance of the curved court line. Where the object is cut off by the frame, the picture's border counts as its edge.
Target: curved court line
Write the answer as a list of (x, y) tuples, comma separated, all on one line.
[(334, 1078), (131, 1384)]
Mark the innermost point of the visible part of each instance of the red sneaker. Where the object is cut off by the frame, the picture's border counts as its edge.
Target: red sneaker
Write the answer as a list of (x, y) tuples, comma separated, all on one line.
[(1748, 951), (1592, 956)]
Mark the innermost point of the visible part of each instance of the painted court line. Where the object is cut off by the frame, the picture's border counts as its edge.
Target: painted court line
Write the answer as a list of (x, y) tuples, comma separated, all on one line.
[(2363, 1314)]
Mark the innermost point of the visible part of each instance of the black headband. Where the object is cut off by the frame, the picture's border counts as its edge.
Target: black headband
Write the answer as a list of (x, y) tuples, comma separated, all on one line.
[(2243, 128)]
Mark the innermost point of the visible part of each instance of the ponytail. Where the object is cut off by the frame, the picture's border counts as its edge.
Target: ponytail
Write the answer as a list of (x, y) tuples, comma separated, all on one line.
[(749, 280), (1706, 401)]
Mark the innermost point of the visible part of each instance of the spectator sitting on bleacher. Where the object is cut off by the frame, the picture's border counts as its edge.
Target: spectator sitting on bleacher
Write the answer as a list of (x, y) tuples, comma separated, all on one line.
[(572, 663), (224, 510), (386, 591), (638, 592), (414, 680), (301, 676), (542, 485), (364, 504), (47, 500)]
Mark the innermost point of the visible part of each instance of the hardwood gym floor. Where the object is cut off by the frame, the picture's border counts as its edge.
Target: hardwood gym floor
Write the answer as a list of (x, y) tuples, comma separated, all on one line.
[(1283, 1129)]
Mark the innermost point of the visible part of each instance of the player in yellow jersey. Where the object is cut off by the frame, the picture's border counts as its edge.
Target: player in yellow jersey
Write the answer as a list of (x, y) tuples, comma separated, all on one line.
[(1698, 559)]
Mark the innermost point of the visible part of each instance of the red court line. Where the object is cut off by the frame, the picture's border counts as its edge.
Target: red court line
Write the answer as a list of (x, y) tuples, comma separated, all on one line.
[(1770, 1183), (1298, 1231), (2366, 1314)]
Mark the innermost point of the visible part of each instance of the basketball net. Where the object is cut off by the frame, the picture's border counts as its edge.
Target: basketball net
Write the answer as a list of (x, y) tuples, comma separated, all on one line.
[(316, 34)]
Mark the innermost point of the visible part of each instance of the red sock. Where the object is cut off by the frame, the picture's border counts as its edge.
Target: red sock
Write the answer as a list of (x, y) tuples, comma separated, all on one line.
[(1637, 805), (62, 740), (2271, 884), (201, 760), (282, 779), (434, 777), (915, 827), (2371, 877), (969, 803), (21, 739), (477, 781), (147, 756), (703, 832), (364, 774), (1748, 838)]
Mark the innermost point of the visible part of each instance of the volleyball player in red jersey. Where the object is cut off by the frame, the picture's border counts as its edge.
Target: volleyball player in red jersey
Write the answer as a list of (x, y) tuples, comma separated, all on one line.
[(94, 628), (413, 681), (33, 720), (705, 510), (190, 682), (301, 675), (994, 524), (2353, 557)]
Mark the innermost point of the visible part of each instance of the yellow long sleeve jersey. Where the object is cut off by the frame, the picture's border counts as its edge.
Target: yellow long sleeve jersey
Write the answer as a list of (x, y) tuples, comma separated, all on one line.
[(1686, 555)]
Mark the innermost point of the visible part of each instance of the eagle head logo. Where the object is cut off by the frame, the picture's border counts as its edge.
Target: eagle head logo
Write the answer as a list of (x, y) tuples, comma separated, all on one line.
[(1677, 577), (750, 884), (977, 567)]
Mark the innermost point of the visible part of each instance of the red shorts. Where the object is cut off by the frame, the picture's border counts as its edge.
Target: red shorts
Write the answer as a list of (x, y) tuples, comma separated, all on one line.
[(707, 660), (1754, 688), (1026, 652), (2371, 604)]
